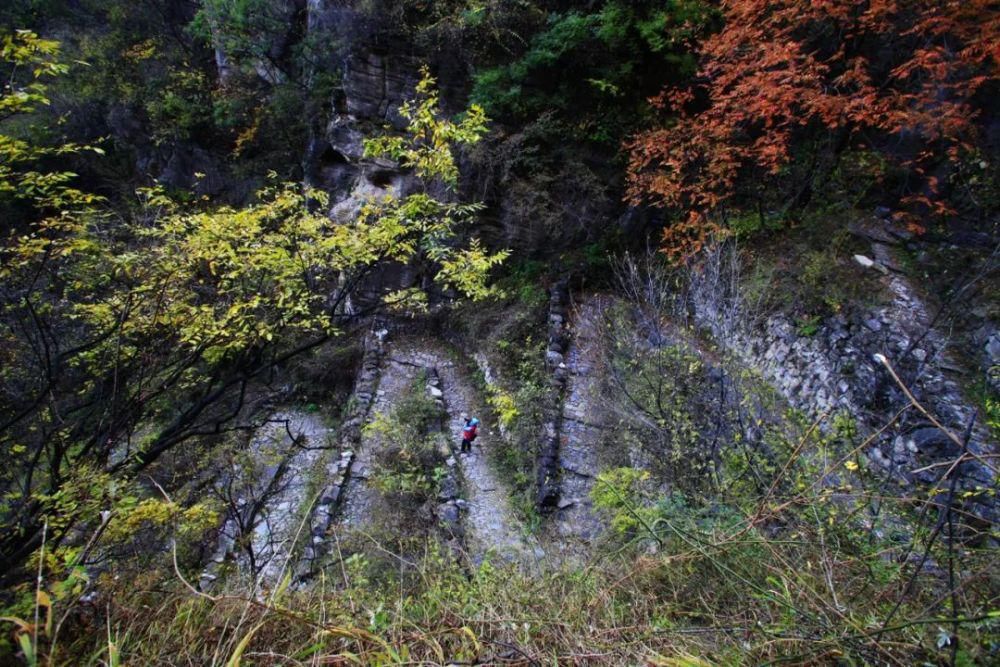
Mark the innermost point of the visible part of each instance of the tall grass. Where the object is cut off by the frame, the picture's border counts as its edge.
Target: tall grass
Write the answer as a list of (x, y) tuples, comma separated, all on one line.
[(792, 579)]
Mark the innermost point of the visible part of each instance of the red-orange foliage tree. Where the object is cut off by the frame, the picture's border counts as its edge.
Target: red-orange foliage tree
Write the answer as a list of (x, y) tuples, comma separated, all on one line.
[(786, 86)]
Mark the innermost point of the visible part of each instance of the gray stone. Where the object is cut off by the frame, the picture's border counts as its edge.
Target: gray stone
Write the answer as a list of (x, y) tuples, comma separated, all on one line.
[(993, 348), (869, 263), (376, 85), (449, 488), (878, 457), (449, 514), (864, 261), (347, 140), (930, 441)]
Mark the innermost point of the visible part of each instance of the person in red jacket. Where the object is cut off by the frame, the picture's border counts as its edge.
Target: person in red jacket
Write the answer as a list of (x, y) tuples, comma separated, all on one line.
[(469, 432)]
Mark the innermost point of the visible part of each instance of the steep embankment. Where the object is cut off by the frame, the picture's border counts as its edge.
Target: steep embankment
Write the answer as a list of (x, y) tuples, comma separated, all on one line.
[(857, 363)]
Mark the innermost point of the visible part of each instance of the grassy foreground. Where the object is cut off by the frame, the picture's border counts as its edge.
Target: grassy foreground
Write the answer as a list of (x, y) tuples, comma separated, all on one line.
[(683, 586)]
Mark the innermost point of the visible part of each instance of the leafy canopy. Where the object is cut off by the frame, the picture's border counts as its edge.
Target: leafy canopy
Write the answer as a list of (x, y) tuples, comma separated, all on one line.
[(787, 81), (588, 68), (26, 61)]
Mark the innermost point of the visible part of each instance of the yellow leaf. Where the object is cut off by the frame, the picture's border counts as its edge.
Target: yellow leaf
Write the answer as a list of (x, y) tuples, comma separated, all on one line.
[(237, 656)]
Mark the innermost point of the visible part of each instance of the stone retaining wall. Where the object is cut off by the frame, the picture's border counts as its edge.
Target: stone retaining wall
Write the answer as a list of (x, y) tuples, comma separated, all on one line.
[(330, 498), (548, 468), (839, 367)]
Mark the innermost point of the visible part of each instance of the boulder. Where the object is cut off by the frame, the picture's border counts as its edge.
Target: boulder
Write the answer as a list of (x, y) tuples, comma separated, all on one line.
[(345, 139), (993, 348), (449, 488), (869, 263)]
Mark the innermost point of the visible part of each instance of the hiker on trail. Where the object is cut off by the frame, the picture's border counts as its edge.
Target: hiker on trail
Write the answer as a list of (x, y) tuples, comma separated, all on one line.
[(469, 432)]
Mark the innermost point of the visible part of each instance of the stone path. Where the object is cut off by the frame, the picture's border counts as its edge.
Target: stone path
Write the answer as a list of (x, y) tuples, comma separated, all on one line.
[(399, 370), (491, 526)]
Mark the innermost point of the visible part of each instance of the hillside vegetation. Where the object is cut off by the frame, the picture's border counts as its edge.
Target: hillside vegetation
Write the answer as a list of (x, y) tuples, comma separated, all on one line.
[(718, 280)]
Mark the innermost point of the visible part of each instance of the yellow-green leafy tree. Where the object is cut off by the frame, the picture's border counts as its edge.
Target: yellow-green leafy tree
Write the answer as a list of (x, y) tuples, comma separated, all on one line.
[(164, 321)]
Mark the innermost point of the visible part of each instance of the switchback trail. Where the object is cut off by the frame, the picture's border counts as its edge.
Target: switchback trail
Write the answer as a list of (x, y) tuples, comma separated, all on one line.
[(490, 525)]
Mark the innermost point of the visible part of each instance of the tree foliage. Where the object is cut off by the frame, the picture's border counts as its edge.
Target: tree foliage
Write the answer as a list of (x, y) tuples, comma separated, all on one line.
[(589, 67), (787, 84), (425, 148), (28, 62), (160, 324)]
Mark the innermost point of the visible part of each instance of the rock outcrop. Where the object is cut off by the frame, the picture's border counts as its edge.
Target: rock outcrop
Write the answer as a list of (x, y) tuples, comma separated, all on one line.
[(847, 364), (581, 427)]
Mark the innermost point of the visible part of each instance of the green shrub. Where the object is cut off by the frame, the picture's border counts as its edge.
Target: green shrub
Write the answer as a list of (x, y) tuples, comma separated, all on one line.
[(410, 462)]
